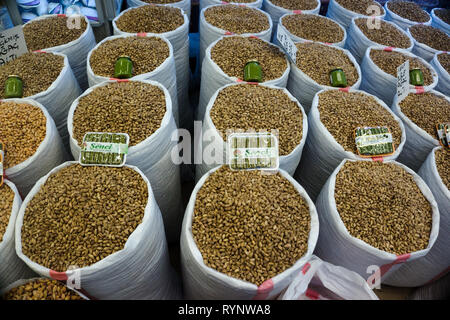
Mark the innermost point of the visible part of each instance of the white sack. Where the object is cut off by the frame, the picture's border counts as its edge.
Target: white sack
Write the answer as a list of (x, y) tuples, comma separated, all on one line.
[(48, 155), (179, 39), (23, 281), (320, 280), (322, 153), (304, 88), (422, 50), (288, 162), (438, 22), (141, 270), (276, 12), (76, 50), (418, 142), (203, 282), (419, 272), (344, 16), (164, 73), (444, 77), (337, 246), (210, 33), (298, 39), (11, 267), (152, 156), (384, 85), (213, 78), (357, 42), (185, 5), (401, 22), (254, 4), (59, 96)]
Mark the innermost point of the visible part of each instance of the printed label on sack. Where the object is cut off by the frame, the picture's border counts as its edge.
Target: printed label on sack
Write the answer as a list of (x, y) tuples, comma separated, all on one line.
[(403, 80), (251, 151), (287, 44), (374, 141), (2, 157), (12, 44), (443, 133), (104, 149)]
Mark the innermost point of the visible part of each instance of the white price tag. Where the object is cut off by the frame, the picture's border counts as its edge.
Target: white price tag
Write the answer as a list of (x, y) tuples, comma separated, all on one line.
[(403, 80), (287, 44), (12, 44)]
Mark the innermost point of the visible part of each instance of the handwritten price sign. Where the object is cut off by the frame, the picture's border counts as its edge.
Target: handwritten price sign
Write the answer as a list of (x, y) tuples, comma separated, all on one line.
[(403, 80), (287, 44), (12, 44)]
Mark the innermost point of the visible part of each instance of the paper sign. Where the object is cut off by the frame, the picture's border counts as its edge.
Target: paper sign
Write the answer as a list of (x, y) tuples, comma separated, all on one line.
[(104, 149), (374, 141), (287, 44), (12, 44), (403, 80), (251, 151)]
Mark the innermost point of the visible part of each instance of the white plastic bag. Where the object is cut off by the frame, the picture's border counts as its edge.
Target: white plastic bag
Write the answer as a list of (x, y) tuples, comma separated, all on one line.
[(276, 12), (422, 50), (337, 246), (141, 270), (320, 280), (254, 4), (203, 282), (59, 96), (185, 5), (298, 39), (48, 155), (344, 16), (444, 77), (384, 85), (152, 156), (401, 22), (23, 281), (438, 22), (164, 74), (418, 142), (179, 39), (288, 162), (304, 88), (213, 78), (357, 42), (419, 272), (76, 50), (210, 33), (322, 153), (11, 267)]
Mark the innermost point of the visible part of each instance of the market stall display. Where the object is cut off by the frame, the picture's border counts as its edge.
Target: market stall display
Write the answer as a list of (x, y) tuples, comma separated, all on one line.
[(441, 63), (428, 41), (343, 11)]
